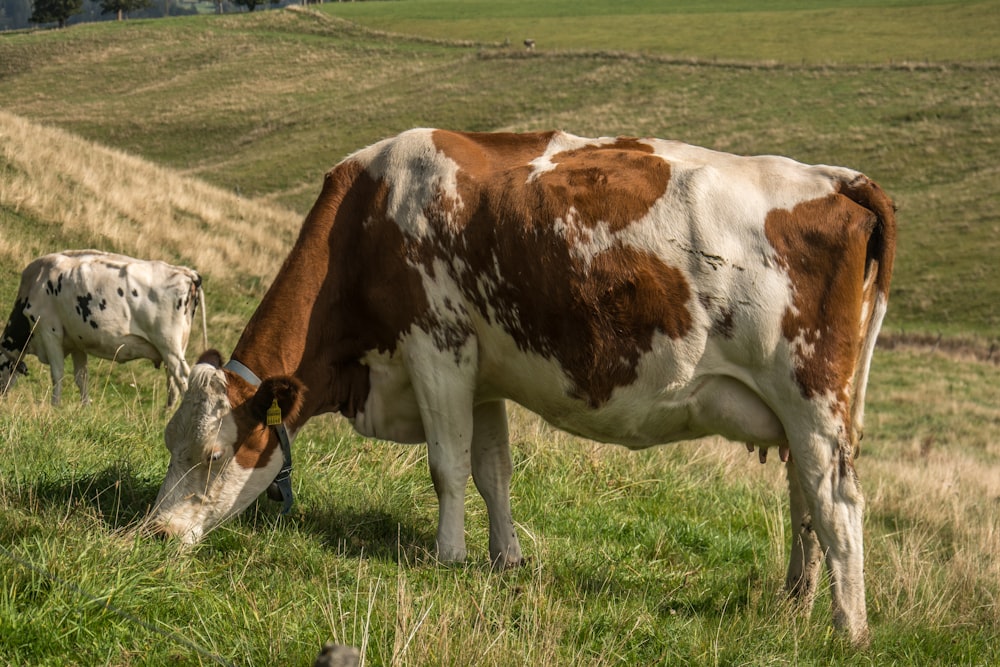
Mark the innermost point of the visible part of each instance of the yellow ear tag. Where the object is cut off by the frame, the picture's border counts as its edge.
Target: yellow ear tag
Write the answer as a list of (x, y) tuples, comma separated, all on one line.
[(274, 414)]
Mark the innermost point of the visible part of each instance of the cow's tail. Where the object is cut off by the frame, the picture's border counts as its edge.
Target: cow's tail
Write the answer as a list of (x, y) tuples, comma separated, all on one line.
[(879, 258), (204, 318), (204, 311)]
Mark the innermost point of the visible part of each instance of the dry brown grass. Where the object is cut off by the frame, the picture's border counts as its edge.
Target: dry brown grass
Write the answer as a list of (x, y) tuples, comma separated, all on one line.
[(127, 204)]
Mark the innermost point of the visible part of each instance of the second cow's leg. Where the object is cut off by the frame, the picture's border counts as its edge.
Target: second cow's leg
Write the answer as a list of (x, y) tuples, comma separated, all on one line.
[(177, 370), (50, 351)]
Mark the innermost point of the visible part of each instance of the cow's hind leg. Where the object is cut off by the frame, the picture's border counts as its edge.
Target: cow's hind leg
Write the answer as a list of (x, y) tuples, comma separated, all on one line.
[(832, 491), (491, 471), (177, 370), (806, 556), (80, 375)]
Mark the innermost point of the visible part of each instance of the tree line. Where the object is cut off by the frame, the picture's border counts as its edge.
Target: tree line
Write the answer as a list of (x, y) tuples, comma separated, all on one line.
[(20, 14)]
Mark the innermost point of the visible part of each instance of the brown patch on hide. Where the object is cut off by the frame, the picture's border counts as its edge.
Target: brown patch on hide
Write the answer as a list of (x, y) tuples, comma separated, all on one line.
[(529, 252), (529, 256), (347, 287), (822, 245)]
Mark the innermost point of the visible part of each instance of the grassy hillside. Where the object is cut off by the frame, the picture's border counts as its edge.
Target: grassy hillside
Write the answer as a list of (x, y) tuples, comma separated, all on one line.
[(861, 31), (220, 129), (262, 104), (670, 556)]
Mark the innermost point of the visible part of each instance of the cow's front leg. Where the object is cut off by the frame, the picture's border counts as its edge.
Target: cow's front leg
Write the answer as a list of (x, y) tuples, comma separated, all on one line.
[(491, 471), (833, 493), (177, 370), (57, 370), (49, 351), (80, 375), (443, 382), (450, 472)]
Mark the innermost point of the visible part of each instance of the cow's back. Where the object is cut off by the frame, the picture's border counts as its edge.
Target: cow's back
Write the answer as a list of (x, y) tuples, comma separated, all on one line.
[(600, 277)]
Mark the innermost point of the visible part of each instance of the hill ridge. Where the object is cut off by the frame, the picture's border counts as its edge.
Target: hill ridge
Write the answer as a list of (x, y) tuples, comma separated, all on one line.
[(65, 189)]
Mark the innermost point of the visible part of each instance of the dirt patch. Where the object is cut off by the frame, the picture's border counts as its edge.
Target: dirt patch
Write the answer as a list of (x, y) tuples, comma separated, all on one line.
[(957, 348)]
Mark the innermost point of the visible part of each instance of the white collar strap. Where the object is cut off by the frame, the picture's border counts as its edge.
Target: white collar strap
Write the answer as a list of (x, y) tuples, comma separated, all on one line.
[(244, 372)]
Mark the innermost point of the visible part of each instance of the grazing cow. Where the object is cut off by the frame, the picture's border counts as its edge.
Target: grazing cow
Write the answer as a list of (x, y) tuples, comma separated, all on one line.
[(632, 291), (82, 302)]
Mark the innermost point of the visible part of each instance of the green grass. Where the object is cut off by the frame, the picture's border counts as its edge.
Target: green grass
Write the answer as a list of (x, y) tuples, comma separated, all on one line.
[(671, 556), (864, 31), (668, 556), (262, 104)]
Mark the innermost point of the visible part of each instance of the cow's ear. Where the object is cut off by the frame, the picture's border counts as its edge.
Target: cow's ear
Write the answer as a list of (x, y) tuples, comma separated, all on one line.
[(211, 357), (282, 393)]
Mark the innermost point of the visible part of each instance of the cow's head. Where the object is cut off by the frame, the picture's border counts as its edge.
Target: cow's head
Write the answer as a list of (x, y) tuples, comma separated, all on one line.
[(11, 367), (13, 344), (222, 452)]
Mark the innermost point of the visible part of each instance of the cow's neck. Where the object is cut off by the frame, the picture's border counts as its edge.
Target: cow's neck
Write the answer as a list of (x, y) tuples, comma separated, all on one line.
[(303, 326), (286, 335)]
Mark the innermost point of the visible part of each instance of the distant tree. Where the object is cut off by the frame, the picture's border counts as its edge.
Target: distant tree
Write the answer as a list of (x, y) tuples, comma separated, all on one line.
[(91, 12), (123, 7), (18, 12), (55, 11), (250, 4)]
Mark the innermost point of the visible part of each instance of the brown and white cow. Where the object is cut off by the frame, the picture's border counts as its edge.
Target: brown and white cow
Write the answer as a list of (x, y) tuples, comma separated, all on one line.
[(632, 291), (88, 302)]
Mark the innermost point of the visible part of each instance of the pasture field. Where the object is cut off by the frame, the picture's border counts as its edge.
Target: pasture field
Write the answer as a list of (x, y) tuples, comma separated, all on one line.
[(262, 104), (607, 583), (818, 32), (212, 134)]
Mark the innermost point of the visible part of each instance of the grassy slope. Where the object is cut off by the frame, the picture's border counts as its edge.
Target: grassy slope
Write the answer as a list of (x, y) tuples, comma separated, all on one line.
[(59, 191), (864, 31), (605, 586), (262, 104)]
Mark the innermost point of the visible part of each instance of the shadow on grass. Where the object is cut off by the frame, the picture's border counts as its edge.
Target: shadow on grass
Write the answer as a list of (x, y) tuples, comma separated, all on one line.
[(116, 496), (119, 498), (371, 533)]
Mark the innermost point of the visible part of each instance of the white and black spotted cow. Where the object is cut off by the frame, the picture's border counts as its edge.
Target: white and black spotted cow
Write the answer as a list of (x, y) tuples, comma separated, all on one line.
[(635, 291), (88, 302)]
